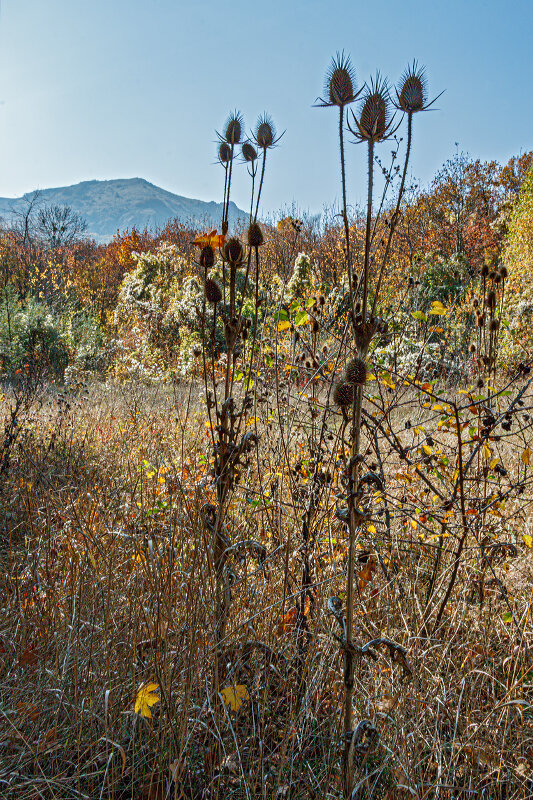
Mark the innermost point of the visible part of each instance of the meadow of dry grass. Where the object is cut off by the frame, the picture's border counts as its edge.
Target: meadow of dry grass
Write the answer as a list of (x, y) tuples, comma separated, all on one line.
[(108, 585)]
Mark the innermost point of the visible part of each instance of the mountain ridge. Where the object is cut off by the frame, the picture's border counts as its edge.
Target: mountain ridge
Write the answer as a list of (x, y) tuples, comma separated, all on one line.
[(121, 204)]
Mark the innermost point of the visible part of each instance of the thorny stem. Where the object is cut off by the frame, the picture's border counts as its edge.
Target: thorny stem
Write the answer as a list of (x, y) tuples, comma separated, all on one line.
[(345, 211), (260, 183), (396, 215), (368, 224)]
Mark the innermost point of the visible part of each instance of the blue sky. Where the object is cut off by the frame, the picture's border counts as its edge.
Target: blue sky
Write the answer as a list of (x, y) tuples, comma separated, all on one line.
[(125, 88)]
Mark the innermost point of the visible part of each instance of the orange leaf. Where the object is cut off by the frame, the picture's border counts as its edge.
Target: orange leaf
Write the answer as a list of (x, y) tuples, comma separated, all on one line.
[(211, 239), (365, 576)]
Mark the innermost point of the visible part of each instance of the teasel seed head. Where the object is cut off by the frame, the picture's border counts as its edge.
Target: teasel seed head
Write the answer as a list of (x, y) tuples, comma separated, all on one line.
[(249, 153), (492, 275), (375, 119), (480, 320), (503, 272), (233, 128), (316, 326), (233, 252), (497, 278), (358, 307), (213, 292), (472, 348), (196, 350), (207, 257), (339, 86), (480, 383), (296, 336), (343, 395), (491, 300), (412, 89), (494, 324), (224, 153), (475, 303), (484, 271), (356, 372), (265, 132), (321, 300), (255, 235)]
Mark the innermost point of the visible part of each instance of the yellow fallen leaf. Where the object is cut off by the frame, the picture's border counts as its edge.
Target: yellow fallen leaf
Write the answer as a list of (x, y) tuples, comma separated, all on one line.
[(283, 325), (146, 698), (527, 539), (526, 456), (234, 696)]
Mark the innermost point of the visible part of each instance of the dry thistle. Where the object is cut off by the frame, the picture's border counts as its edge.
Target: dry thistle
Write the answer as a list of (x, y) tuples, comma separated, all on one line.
[(339, 86), (233, 252), (356, 372), (249, 153), (343, 395), (374, 123), (503, 272), (491, 300), (213, 292), (255, 235), (207, 257), (233, 128), (224, 153)]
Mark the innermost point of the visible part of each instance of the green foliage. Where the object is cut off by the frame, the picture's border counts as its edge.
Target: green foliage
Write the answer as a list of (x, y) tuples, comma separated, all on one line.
[(443, 279), (28, 328)]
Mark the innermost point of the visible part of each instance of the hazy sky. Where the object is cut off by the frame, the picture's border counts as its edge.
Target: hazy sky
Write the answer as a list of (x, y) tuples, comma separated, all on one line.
[(125, 88)]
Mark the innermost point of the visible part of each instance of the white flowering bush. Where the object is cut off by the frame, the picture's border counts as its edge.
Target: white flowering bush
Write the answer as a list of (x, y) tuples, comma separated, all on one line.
[(299, 283)]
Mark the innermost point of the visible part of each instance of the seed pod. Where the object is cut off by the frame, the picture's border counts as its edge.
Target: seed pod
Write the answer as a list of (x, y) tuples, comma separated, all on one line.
[(472, 348), (321, 300), (491, 300), (265, 132), (316, 326), (213, 292), (224, 153), (233, 252), (356, 372), (340, 80), (207, 257), (503, 272), (296, 336), (492, 275), (233, 128), (480, 383), (412, 91), (475, 302), (255, 235), (480, 320), (197, 351), (494, 324), (343, 395), (249, 153), (484, 271)]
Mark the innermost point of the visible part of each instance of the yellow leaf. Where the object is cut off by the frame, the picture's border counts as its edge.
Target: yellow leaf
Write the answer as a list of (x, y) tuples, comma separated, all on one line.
[(526, 456), (146, 698), (251, 421), (487, 452), (437, 308), (234, 696), (427, 449), (493, 462), (527, 539), (371, 529), (283, 325)]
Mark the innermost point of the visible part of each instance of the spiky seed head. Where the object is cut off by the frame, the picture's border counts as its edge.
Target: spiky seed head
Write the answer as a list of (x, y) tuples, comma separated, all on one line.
[(340, 81), (472, 348), (296, 336), (480, 320), (321, 300), (491, 300), (374, 118), (412, 89), (480, 383), (475, 302), (484, 271), (497, 278), (503, 272), (207, 257), (265, 132), (213, 292), (358, 307), (492, 275), (255, 235), (224, 153), (233, 251), (494, 324), (316, 326), (249, 153), (233, 128), (356, 372), (343, 395)]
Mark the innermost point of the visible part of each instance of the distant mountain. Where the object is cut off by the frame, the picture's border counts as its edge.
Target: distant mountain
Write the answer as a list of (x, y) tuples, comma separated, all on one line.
[(108, 206)]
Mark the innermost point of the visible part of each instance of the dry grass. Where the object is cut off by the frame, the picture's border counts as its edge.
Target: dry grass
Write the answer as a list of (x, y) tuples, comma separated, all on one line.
[(107, 584)]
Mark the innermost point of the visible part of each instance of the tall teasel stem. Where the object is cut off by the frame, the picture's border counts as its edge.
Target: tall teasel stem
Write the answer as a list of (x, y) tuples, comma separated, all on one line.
[(368, 225), (345, 213), (260, 183)]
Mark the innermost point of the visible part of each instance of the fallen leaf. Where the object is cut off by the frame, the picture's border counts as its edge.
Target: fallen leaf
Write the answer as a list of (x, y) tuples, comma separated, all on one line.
[(388, 702), (146, 698), (234, 696)]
